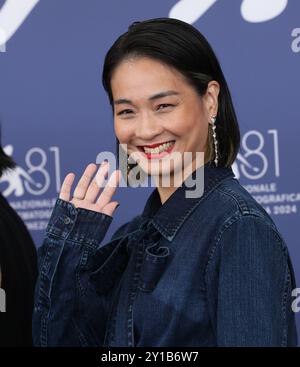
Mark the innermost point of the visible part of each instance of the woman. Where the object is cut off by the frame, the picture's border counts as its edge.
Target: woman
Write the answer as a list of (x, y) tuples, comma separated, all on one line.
[(208, 270), (18, 272)]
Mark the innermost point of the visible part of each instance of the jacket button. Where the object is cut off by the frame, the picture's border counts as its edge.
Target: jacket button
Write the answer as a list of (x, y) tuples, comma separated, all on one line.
[(67, 220)]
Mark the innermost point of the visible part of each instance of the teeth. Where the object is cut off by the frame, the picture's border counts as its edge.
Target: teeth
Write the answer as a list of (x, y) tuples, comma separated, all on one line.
[(158, 149)]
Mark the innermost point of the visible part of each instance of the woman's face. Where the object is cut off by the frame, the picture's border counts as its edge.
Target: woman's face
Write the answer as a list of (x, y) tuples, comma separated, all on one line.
[(153, 104)]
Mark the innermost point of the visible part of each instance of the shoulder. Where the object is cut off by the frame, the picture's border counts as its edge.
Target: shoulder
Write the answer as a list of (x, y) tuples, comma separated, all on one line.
[(234, 200), (243, 225), (245, 231), (230, 207)]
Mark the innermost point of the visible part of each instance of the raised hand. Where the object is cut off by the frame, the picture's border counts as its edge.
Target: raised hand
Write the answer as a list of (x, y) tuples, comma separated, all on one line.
[(86, 194)]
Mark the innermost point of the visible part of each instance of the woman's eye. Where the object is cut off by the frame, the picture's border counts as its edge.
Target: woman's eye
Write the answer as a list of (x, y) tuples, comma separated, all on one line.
[(124, 112), (164, 105)]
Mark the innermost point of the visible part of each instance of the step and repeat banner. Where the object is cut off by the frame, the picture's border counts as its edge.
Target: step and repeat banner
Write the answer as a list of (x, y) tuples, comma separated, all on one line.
[(55, 116)]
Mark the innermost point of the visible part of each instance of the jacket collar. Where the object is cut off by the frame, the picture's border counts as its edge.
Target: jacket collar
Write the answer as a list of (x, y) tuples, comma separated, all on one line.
[(169, 217)]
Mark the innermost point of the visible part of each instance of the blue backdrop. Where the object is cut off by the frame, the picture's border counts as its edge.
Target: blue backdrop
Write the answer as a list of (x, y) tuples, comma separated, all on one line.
[(56, 118)]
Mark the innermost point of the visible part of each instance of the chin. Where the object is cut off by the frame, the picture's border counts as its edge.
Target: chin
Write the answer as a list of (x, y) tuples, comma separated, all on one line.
[(160, 168)]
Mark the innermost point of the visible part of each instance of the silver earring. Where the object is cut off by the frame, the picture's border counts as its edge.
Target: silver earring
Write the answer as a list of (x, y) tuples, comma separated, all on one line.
[(212, 123)]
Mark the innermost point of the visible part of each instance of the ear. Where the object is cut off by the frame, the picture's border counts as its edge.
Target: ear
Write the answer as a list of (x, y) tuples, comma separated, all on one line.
[(210, 98)]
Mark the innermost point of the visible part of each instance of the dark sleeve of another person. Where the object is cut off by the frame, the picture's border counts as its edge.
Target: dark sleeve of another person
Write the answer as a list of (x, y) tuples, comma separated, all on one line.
[(18, 263)]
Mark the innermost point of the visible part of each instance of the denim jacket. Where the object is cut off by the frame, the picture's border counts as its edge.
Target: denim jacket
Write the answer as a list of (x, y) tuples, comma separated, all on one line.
[(206, 271)]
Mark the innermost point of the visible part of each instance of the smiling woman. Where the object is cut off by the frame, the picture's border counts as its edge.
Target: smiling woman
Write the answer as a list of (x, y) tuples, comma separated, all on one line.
[(211, 270), (183, 60), (162, 108), (170, 88)]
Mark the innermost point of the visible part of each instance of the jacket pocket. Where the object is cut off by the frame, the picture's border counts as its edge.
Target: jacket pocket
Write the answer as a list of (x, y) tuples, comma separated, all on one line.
[(155, 261)]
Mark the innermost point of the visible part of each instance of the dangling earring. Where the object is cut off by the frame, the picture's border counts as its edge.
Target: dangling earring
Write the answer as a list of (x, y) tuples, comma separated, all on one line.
[(212, 123)]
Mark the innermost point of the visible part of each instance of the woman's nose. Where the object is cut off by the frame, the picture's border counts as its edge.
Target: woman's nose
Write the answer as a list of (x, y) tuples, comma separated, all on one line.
[(147, 127)]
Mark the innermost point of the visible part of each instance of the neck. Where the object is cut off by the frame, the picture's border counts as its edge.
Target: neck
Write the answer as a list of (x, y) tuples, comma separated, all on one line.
[(176, 180)]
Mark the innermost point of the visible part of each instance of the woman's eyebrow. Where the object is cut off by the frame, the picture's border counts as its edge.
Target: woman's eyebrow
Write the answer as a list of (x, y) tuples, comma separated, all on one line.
[(164, 94), (155, 96), (122, 101)]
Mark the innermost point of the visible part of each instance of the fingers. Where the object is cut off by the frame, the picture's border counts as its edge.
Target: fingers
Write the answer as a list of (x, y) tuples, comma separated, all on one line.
[(87, 189), (94, 187), (82, 186), (66, 187), (109, 190)]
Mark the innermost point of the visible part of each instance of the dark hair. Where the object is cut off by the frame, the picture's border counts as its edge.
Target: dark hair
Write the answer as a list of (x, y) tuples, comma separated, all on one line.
[(6, 162), (183, 47)]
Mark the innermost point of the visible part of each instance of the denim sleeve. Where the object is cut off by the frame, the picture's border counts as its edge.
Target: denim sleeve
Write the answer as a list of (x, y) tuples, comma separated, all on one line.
[(68, 309), (249, 283)]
